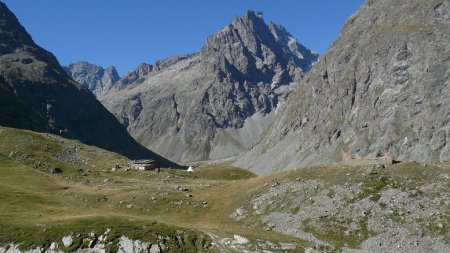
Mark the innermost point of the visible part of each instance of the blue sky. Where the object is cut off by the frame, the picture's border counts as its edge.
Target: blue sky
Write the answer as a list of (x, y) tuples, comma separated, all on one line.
[(125, 33)]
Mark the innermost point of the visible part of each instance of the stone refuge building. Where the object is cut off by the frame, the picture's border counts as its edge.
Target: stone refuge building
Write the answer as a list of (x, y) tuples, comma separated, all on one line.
[(144, 164), (348, 159)]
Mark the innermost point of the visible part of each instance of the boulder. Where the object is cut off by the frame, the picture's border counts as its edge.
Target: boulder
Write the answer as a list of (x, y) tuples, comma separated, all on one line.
[(55, 170), (67, 241), (155, 249)]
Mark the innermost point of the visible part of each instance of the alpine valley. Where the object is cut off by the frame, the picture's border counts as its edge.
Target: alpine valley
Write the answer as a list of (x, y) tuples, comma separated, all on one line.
[(253, 144)]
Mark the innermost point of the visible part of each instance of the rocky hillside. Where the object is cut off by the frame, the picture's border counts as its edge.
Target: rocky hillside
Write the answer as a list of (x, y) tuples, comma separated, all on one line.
[(97, 79), (37, 94), (401, 208), (215, 103), (59, 195), (381, 89)]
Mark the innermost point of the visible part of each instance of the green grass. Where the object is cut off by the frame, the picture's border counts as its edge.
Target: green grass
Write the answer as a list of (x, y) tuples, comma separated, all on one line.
[(221, 172), (43, 152), (372, 188), (72, 203), (37, 207)]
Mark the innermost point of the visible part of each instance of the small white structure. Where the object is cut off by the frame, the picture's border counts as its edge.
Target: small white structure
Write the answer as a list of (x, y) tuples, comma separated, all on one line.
[(190, 169)]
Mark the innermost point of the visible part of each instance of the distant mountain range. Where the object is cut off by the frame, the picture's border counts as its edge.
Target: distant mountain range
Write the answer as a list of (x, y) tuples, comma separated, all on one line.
[(212, 104), (97, 79), (37, 94)]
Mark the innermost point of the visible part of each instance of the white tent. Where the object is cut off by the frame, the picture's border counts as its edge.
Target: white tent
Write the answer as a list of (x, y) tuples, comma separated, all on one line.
[(190, 169)]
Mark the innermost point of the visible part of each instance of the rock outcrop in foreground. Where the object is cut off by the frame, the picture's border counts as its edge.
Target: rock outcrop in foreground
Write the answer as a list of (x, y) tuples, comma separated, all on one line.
[(215, 103), (37, 94), (381, 89)]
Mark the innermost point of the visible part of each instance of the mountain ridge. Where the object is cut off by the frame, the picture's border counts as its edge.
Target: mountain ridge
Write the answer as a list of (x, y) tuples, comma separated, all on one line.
[(214, 103), (36, 94)]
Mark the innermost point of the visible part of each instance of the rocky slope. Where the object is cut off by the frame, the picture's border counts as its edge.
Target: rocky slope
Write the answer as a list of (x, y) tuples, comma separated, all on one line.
[(381, 89), (97, 79), (401, 208), (36, 94), (215, 103), (60, 195)]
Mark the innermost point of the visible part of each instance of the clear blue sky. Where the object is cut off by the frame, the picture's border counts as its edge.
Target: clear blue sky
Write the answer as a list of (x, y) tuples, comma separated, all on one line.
[(125, 33)]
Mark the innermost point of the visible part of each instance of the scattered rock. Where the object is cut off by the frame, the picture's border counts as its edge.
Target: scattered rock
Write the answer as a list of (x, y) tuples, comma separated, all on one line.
[(380, 166), (239, 214), (53, 246), (238, 239), (67, 241), (287, 246), (155, 249), (184, 189), (55, 170), (176, 203), (241, 211)]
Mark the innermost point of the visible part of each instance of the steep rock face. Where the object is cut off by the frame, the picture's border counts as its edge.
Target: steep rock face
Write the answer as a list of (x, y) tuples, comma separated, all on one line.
[(295, 52), (381, 89), (36, 94), (97, 79), (215, 103)]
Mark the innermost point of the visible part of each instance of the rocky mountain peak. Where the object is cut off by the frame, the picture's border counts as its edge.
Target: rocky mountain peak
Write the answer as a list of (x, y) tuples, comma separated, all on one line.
[(14, 39), (97, 79), (250, 19), (136, 76), (143, 69), (215, 103), (12, 34), (111, 70), (292, 48), (249, 50), (250, 30)]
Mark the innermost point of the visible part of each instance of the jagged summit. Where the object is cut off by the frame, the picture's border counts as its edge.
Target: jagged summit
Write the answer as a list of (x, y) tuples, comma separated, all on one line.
[(295, 51), (248, 17), (14, 39), (12, 33), (97, 79), (215, 103), (256, 50)]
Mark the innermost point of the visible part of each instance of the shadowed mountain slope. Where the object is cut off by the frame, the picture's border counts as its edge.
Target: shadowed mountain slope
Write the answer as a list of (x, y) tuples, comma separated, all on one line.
[(37, 94)]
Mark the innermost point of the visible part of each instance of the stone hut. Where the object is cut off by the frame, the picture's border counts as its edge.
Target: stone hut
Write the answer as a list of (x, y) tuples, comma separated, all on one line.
[(144, 164)]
